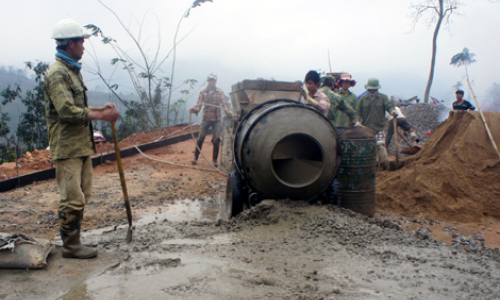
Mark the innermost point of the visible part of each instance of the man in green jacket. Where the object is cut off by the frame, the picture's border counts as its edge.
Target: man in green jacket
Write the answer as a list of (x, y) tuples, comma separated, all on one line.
[(70, 131), (337, 104), (372, 108), (345, 83)]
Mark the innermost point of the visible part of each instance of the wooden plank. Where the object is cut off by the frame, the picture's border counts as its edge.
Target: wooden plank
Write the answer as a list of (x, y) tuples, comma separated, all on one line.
[(266, 85)]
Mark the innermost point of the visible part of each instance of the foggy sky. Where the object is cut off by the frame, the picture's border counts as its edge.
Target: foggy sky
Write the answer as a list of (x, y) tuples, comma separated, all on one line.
[(246, 39)]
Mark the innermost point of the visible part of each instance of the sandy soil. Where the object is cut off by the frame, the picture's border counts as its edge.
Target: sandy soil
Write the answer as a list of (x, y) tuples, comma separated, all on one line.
[(39, 160), (33, 210)]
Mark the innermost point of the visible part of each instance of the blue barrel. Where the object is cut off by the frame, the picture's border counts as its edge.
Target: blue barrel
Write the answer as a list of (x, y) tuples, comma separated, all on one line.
[(357, 174)]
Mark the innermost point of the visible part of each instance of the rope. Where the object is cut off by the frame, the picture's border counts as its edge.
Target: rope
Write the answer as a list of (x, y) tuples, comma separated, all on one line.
[(173, 133), (195, 141), (171, 163)]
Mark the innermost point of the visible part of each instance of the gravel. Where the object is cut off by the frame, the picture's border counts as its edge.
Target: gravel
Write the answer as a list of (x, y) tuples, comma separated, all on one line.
[(423, 117)]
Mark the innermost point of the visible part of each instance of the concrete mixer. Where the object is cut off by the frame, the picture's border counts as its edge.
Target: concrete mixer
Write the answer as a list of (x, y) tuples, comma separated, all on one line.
[(282, 149)]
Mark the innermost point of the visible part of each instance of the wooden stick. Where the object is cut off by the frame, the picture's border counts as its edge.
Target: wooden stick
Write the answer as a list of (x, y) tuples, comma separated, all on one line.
[(396, 141), (484, 120), (122, 180)]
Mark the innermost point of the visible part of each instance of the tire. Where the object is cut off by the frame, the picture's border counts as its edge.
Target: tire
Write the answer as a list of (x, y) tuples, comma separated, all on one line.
[(235, 194)]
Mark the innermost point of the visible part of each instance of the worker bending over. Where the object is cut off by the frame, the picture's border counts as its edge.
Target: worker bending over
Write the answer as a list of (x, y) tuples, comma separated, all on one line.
[(71, 137), (403, 123), (372, 107), (212, 98)]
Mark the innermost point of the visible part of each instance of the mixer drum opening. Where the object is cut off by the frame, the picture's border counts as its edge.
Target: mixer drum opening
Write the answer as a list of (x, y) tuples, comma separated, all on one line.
[(297, 160)]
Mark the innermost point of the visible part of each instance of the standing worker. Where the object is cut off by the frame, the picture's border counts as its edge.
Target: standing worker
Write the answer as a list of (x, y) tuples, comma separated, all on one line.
[(372, 107), (214, 98), (345, 82), (70, 131), (461, 103), (337, 104)]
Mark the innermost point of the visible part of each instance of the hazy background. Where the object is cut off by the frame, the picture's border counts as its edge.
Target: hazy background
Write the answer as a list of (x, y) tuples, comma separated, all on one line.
[(279, 39)]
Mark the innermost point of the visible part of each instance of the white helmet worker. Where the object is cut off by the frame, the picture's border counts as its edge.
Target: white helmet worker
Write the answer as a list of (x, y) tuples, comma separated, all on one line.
[(67, 29)]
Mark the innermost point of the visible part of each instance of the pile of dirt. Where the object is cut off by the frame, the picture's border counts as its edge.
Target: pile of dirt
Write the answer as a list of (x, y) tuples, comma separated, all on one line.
[(453, 178), (157, 135), (29, 163)]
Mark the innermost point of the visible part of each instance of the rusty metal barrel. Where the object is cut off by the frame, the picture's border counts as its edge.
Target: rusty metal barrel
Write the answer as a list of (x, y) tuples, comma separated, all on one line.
[(284, 149), (357, 174)]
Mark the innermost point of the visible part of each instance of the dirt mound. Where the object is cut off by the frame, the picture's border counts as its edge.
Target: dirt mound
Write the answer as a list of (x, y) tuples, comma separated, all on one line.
[(453, 178), (30, 162), (157, 135)]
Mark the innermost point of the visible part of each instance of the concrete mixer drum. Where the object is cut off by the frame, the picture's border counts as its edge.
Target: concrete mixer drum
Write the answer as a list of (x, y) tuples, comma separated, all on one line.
[(282, 150)]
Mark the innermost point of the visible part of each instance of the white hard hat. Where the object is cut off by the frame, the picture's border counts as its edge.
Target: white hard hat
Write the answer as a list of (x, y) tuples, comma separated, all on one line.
[(212, 76), (68, 29)]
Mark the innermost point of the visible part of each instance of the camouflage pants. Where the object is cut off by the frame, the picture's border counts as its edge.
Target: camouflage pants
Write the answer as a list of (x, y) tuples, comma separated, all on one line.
[(74, 178)]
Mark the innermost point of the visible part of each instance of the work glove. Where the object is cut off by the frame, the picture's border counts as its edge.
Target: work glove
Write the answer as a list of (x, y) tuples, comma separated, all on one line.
[(309, 100), (230, 114), (394, 113)]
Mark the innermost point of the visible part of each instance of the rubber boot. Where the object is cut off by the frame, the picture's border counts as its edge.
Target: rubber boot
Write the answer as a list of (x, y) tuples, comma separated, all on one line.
[(197, 152), (383, 159), (70, 222), (216, 153)]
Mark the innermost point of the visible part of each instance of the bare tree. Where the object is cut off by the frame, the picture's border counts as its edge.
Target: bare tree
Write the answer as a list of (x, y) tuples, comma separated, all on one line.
[(437, 12), (144, 71)]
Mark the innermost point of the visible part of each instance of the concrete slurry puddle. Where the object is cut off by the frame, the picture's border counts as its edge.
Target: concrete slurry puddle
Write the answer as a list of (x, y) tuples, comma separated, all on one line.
[(284, 250)]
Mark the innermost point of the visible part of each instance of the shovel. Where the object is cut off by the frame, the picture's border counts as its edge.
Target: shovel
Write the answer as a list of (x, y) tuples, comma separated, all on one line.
[(124, 184), (396, 141)]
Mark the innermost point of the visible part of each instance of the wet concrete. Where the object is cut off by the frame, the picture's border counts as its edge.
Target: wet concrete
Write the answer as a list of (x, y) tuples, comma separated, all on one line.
[(277, 250)]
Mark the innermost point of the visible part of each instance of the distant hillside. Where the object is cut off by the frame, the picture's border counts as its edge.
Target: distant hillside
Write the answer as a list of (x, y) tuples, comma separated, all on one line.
[(11, 76)]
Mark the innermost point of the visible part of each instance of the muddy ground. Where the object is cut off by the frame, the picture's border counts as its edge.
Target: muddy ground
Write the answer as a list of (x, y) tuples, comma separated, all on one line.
[(184, 248), (277, 250), (152, 187)]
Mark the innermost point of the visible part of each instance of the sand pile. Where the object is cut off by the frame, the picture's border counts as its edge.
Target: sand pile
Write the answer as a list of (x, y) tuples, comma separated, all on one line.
[(455, 177)]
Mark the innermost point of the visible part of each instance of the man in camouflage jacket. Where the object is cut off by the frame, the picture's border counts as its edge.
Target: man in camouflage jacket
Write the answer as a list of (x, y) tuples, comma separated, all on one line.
[(337, 104), (70, 134)]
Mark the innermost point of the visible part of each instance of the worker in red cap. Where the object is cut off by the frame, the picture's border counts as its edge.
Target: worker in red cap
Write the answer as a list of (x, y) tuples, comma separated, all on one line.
[(345, 82)]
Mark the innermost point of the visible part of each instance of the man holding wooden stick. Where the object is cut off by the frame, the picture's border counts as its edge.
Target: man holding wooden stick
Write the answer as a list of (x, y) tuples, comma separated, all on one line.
[(71, 137)]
